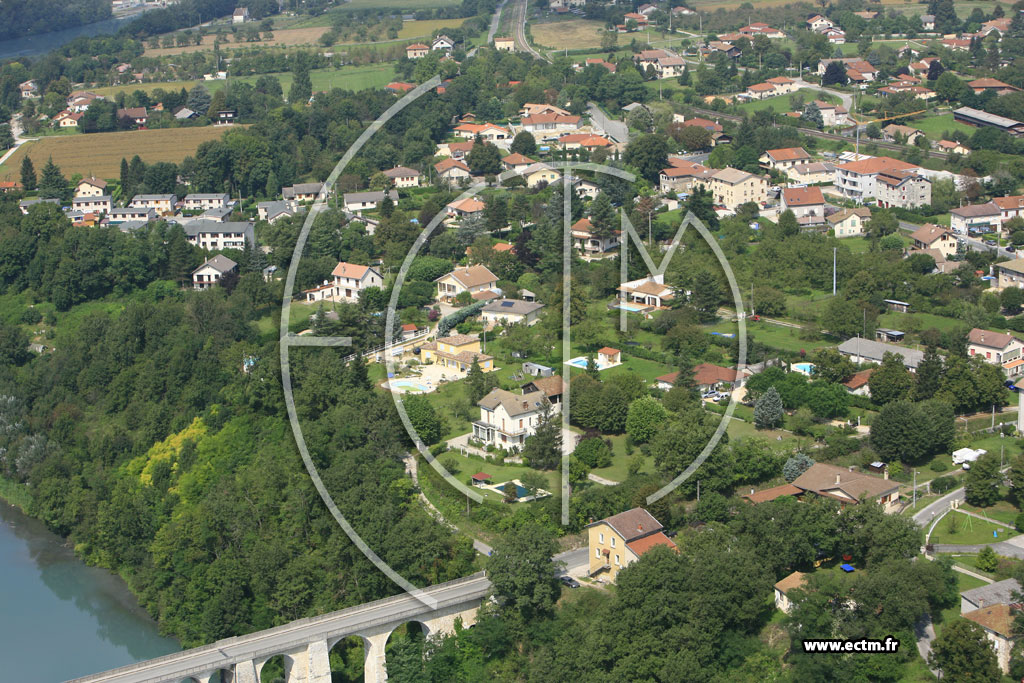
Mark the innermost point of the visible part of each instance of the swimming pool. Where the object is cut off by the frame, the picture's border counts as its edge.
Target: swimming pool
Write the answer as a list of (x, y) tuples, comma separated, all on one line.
[(409, 385), (577, 362), (631, 307), (805, 368)]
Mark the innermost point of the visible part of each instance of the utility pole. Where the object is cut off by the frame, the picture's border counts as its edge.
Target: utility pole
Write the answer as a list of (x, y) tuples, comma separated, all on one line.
[(834, 271), (915, 489), (698, 490)]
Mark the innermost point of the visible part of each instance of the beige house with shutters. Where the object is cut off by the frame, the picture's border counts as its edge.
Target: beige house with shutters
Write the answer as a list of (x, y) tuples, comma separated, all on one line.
[(472, 279), (620, 540), (507, 419), (731, 187)]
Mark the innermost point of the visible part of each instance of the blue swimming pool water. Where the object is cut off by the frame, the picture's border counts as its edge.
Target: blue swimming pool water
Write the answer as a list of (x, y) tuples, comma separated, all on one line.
[(804, 367), (632, 308), (409, 384), (578, 363)]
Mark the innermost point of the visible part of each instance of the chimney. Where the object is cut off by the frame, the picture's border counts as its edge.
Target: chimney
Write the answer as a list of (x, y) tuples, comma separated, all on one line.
[(851, 468), (885, 472), (639, 527), (837, 479), (525, 404)]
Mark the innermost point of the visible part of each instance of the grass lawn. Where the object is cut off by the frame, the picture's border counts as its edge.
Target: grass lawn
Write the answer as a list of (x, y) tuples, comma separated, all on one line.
[(970, 531), (470, 465), (450, 400), (346, 77), (776, 438), (776, 336), (922, 321), (935, 126), (100, 154), (619, 469), (572, 33), (780, 103)]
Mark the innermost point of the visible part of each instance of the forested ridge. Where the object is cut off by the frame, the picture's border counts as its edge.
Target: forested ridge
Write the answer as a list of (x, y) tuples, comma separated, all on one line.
[(142, 440)]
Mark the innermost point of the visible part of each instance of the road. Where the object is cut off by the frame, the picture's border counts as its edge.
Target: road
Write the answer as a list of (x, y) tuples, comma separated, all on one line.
[(616, 130), (16, 133), (845, 98), (519, 30), (495, 22)]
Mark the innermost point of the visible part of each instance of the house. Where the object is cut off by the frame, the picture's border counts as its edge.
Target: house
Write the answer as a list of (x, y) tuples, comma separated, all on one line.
[(456, 353), (980, 85), (136, 115), (442, 42), (587, 141), (607, 356), (215, 236), (620, 540), (650, 292), (682, 175), (403, 176), (217, 213), (998, 623), (814, 173), (397, 87), (760, 28), (930, 236), (849, 222), (538, 124), (451, 170), (894, 132), (697, 121), (995, 347), (706, 377), (67, 119), (409, 330), (594, 61), (832, 114), (927, 22), (884, 334), (952, 147), (357, 202), (585, 188), (640, 19), (961, 44), (163, 204), (1011, 273), (836, 36), (975, 218), (553, 386), (472, 279), (584, 239), (100, 204), (507, 419), (1009, 207), (464, 207), (784, 586), (803, 201), (505, 44), (999, 593), (131, 213), (10, 186), (511, 311), (782, 85), (848, 486), (858, 384), (732, 187), (862, 68), (867, 16), (532, 109), (977, 117), (784, 158), (26, 204), (240, 16), (416, 51), (91, 187), (904, 189), (488, 132), (302, 192), (212, 270), (857, 179), (272, 211), (205, 202), (350, 280), (759, 91), (28, 89), (516, 162), (869, 351), (818, 23), (537, 370), (538, 173)]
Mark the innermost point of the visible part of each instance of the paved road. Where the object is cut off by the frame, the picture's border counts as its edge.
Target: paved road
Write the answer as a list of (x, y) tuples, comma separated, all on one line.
[(929, 512), (495, 21), (1004, 548), (616, 130), (845, 98)]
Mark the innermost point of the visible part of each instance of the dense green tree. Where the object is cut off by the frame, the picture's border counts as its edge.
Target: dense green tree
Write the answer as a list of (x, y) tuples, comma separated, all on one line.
[(543, 448), (52, 183), (768, 410), (646, 416), (929, 375), (524, 144), (28, 174), (484, 159), (832, 366), (963, 653), (892, 381), (521, 572), (796, 465), (835, 74), (981, 485), (648, 154), (423, 417)]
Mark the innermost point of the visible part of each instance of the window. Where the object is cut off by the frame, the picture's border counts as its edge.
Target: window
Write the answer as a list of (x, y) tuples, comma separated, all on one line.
[(616, 560), (601, 537), (597, 553), (613, 541)]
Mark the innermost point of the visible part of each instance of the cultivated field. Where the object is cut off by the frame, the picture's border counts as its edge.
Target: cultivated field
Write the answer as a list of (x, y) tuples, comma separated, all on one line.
[(284, 37), (100, 154), (573, 34), (347, 78)]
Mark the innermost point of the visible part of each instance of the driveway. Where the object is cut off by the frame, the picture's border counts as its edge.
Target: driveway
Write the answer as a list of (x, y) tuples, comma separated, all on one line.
[(616, 130)]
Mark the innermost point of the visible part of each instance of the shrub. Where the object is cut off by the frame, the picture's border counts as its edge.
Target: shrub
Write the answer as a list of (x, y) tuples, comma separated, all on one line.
[(987, 560), (937, 466), (31, 316), (1019, 522), (943, 484)]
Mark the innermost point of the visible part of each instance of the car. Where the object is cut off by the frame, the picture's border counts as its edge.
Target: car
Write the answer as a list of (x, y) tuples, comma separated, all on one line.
[(569, 582), (1010, 248), (710, 394), (990, 243), (1011, 385)]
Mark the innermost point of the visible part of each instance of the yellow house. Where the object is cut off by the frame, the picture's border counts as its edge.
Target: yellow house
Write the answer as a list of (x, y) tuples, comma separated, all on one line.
[(474, 279), (620, 540), (538, 173), (732, 187), (456, 353)]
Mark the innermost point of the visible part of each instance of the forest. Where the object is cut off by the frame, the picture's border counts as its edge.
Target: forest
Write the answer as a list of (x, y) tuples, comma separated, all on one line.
[(19, 18)]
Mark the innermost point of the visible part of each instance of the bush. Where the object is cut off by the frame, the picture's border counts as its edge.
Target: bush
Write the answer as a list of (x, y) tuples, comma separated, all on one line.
[(31, 316), (987, 560), (943, 484), (937, 466), (1019, 522)]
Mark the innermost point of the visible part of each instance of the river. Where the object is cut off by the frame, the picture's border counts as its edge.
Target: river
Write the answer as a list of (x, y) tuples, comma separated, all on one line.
[(59, 618), (44, 42)]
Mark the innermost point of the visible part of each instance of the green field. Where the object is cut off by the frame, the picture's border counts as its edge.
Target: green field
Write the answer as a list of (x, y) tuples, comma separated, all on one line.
[(970, 531), (346, 77), (780, 103), (935, 126)]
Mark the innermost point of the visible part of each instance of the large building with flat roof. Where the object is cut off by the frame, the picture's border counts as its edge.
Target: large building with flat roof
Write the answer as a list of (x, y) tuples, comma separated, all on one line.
[(977, 117)]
